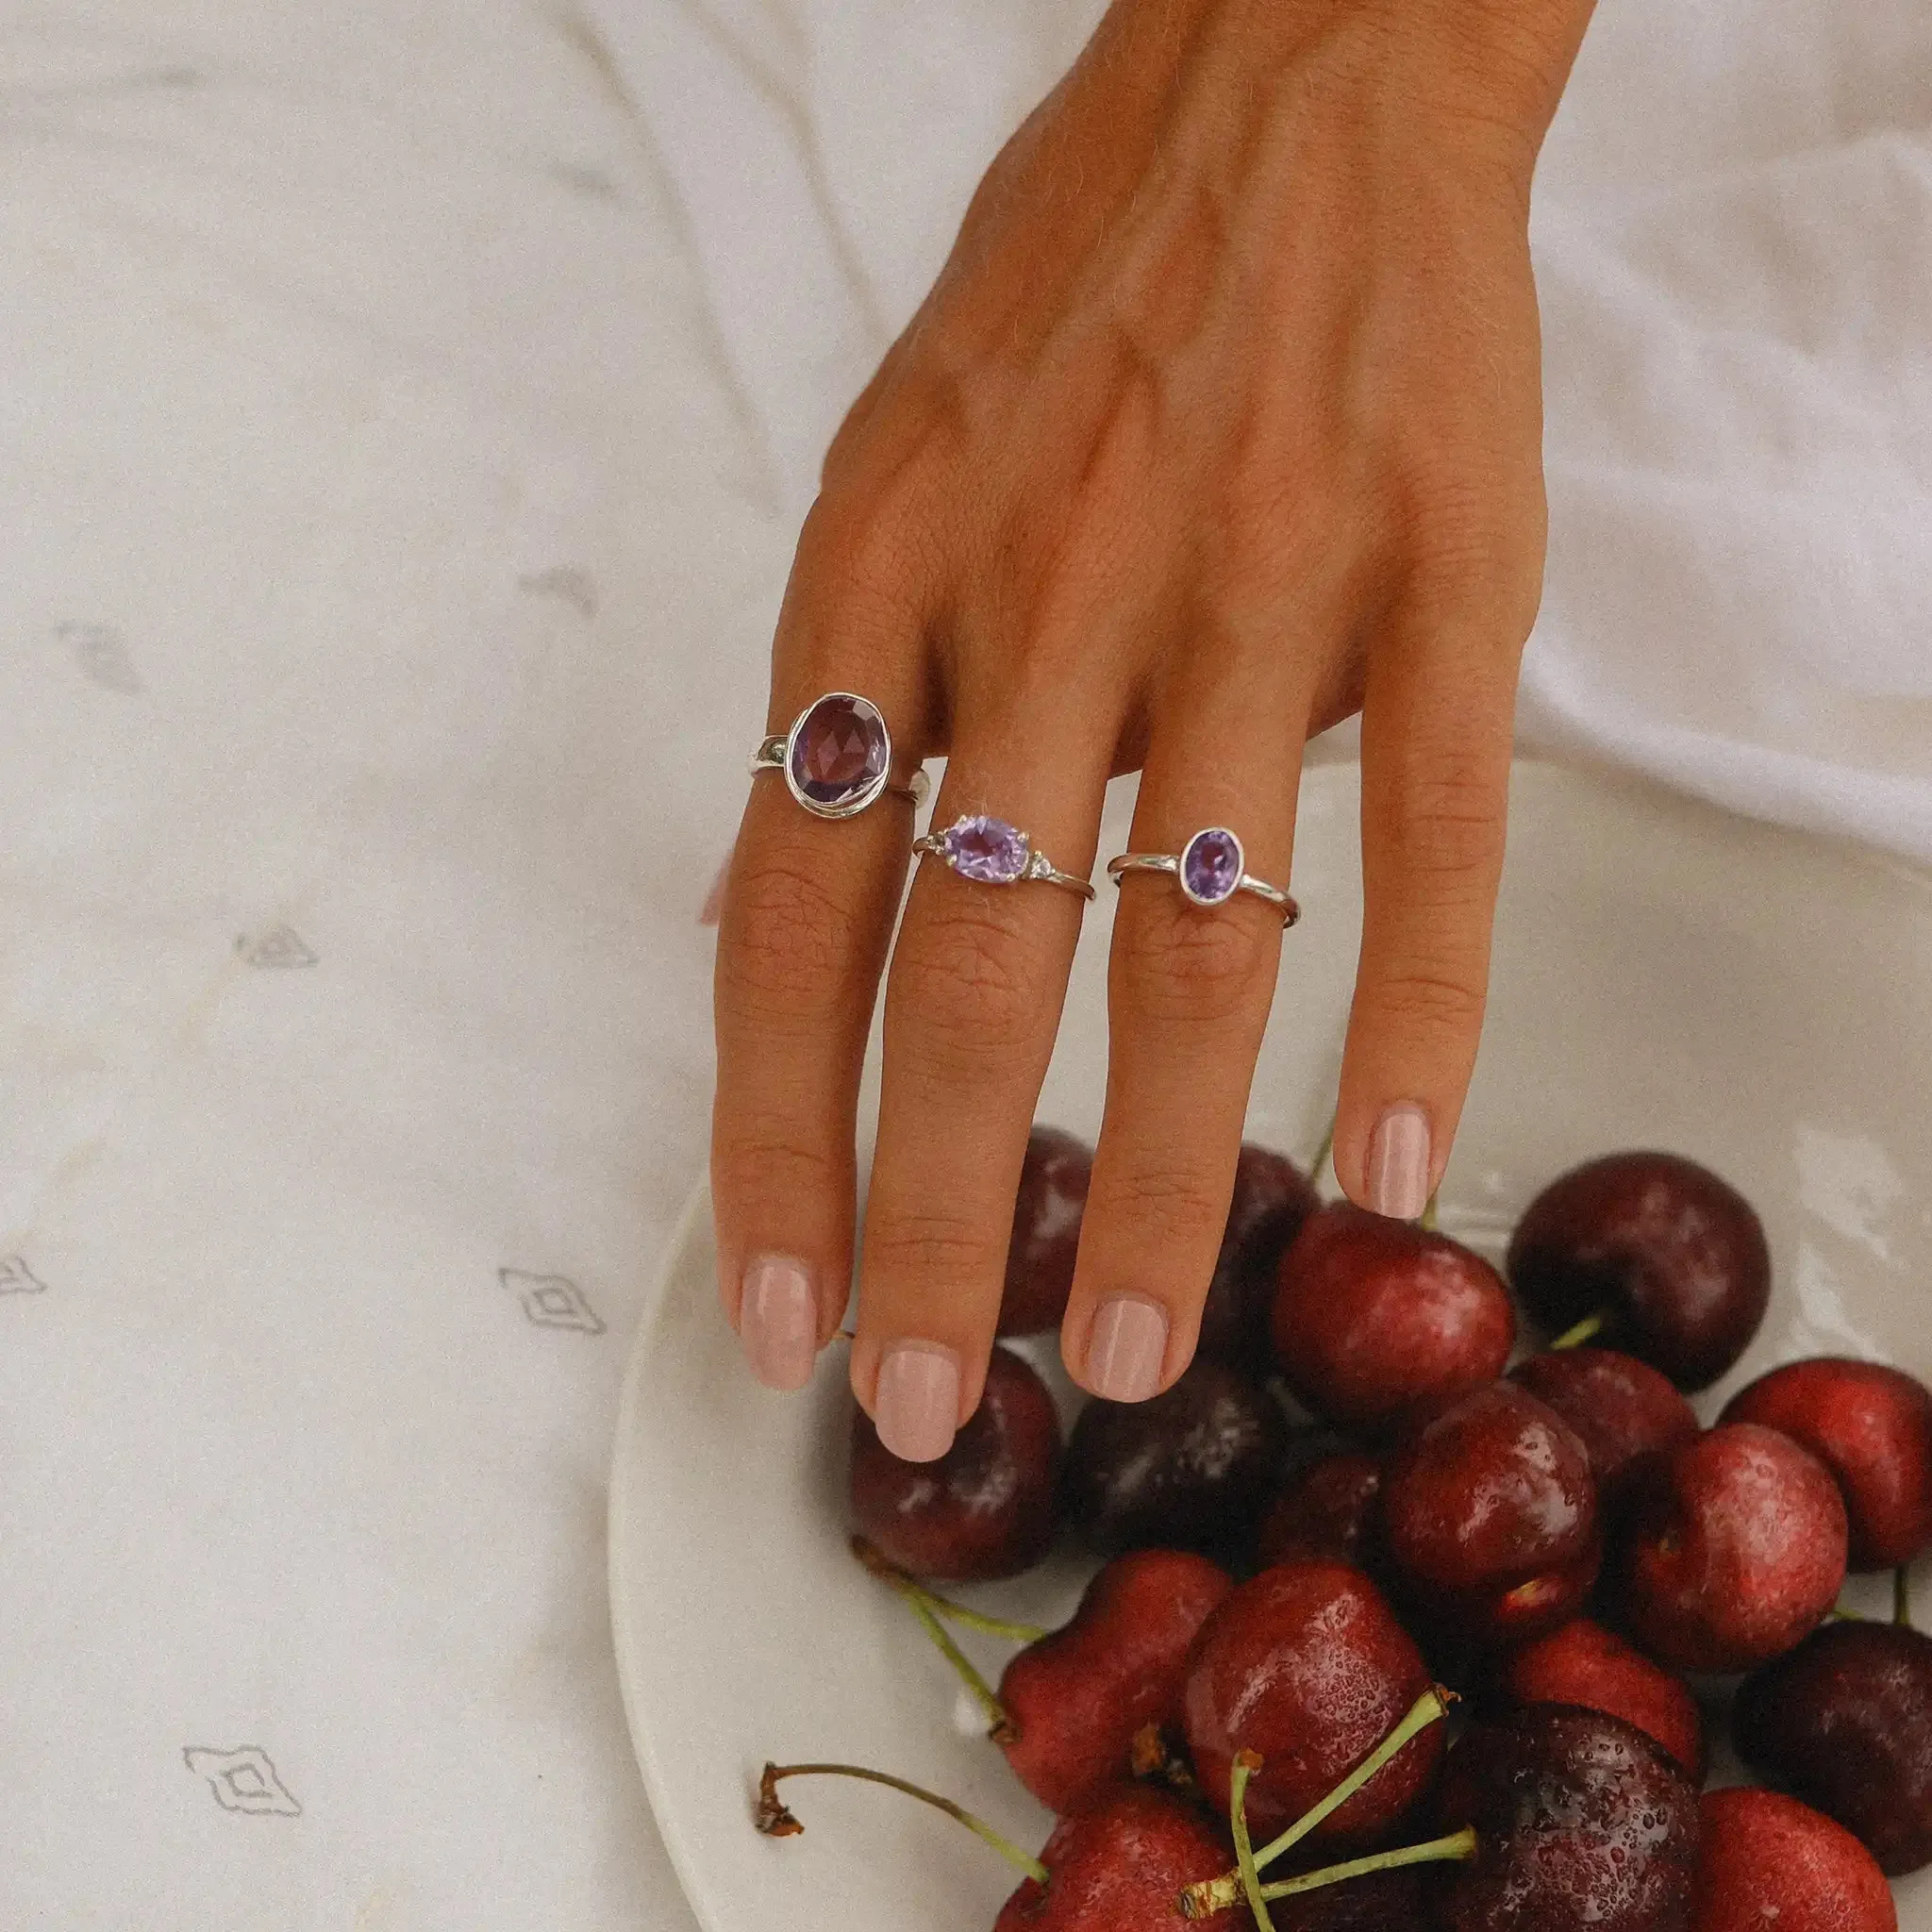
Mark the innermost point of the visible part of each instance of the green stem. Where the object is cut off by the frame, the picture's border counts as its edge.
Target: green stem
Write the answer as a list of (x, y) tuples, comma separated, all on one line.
[(1210, 1895), (1586, 1331), (1430, 1218), (1436, 1851), (886, 1570), (1325, 1149), (776, 1821), (1246, 1763), (925, 1607), (1902, 1596)]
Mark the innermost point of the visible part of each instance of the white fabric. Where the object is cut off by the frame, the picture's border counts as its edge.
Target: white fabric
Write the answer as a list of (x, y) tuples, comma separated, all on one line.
[(406, 406)]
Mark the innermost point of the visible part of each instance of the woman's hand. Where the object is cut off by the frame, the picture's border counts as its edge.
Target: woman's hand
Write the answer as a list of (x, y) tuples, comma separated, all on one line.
[(1222, 422)]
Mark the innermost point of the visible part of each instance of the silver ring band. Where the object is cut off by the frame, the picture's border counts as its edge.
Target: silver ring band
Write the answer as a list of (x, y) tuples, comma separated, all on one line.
[(993, 853), (1210, 869)]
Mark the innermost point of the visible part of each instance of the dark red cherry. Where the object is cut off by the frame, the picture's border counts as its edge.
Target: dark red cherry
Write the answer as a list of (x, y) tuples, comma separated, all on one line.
[(1771, 1864), (1620, 1409), (1871, 1426), (1673, 1257), (1272, 1199), (1330, 1507), (987, 1507), (1845, 1721), (1193, 1468), (1397, 1900), (1373, 1316), (1307, 1665), (1046, 1232), (1583, 1663), (1491, 1516), (1078, 1696), (1735, 1548), (1580, 1818), (1119, 1865)]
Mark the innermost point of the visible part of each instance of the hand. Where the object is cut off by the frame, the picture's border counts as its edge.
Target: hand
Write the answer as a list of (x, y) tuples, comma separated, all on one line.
[(1222, 422)]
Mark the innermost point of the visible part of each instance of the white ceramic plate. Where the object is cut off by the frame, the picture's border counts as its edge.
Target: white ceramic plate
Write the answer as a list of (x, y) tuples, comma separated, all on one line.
[(1665, 975)]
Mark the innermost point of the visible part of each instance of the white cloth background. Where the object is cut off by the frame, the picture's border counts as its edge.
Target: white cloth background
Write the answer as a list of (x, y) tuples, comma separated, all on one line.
[(405, 413)]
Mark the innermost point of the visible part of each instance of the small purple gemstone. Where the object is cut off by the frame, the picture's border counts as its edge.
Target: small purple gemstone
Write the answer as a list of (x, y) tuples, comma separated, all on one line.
[(985, 849), (839, 751), (1211, 865)]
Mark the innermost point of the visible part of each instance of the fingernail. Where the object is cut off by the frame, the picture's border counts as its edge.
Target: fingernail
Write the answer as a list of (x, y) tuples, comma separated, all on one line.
[(1398, 1176), (916, 1402), (778, 1321), (713, 907), (1125, 1348)]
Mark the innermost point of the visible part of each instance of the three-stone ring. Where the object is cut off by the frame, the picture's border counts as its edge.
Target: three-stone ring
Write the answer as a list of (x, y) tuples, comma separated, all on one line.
[(1210, 869), (996, 854), (836, 758)]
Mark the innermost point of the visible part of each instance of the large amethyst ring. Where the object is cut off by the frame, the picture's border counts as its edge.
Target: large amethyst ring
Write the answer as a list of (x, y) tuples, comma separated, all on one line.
[(836, 758), (995, 853), (1210, 869)]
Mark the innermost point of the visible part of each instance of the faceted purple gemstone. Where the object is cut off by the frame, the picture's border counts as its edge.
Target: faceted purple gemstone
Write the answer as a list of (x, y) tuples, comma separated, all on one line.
[(1211, 865), (985, 849), (839, 752)]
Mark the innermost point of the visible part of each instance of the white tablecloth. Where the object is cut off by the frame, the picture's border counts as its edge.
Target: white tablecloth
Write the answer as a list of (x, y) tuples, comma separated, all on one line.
[(406, 406)]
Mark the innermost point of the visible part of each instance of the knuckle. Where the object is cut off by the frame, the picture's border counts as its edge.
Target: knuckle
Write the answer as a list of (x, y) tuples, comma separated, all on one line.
[(967, 983), (767, 1158), (1176, 965), (929, 1245), (1420, 999), (1446, 825), (1170, 1208), (787, 949)]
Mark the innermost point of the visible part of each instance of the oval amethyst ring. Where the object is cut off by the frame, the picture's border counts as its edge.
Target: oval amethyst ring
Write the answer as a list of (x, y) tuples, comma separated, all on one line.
[(995, 853), (1210, 869), (837, 757)]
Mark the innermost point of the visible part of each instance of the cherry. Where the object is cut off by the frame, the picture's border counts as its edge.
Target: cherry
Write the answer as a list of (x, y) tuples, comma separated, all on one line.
[(1118, 1864), (1076, 1698), (986, 1507), (1190, 1468), (1272, 1197), (1374, 1315), (1392, 1901), (1579, 1818), (1620, 1409), (1585, 1664), (1046, 1232), (1307, 1665), (1872, 1428), (1769, 1860), (1845, 1721), (1330, 1507), (1735, 1548), (1491, 1515), (1670, 1258)]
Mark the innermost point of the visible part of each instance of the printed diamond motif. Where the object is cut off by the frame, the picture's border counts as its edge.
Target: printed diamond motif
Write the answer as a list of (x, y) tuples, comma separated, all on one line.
[(16, 1277), (552, 1301), (101, 652), (279, 946), (569, 581), (242, 1780)]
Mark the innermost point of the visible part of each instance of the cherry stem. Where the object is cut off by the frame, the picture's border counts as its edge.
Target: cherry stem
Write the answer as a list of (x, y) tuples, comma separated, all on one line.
[(1902, 1596), (1326, 1148), (886, 1570), (1431, 1219), (776, 1821), (927, 1607), (1586, 1331), (1458, 1846), (1246, 1763), (1210, 1895)]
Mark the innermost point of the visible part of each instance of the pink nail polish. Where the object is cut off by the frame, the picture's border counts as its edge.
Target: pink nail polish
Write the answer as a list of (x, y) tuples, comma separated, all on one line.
[(1398, 1164), (916, 1402), (778, 1321), (1125, 1348)]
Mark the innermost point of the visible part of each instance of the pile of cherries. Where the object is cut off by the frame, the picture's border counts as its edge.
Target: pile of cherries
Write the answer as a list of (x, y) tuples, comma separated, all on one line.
[(1252, 1683)]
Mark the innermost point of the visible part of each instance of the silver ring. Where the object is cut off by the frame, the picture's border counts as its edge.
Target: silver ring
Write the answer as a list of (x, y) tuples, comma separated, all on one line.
[(978, 846), (836, 758), (1210, 869)]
